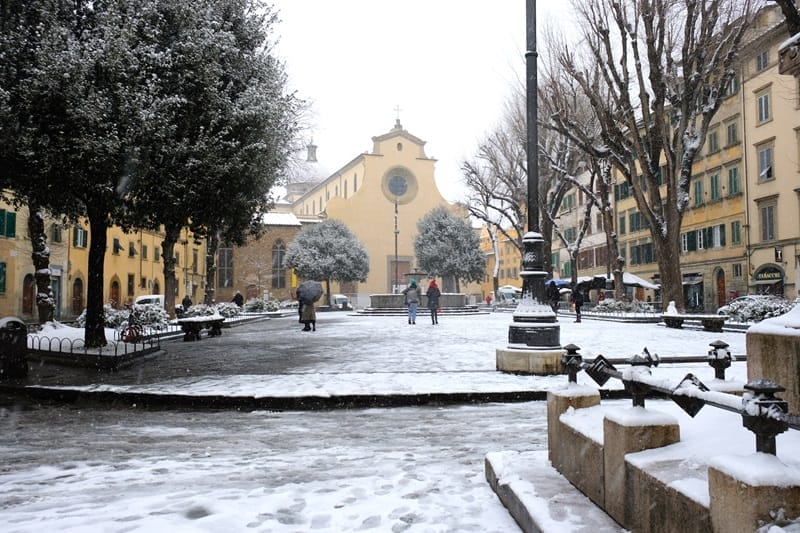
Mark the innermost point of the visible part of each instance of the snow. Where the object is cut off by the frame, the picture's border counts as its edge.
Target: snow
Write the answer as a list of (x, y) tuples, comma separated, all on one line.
[(640, 416), (758, 469), (786, 324), (415, 469)]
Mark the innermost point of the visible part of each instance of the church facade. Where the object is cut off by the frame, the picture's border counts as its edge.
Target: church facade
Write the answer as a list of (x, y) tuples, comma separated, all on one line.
[(380, 195)]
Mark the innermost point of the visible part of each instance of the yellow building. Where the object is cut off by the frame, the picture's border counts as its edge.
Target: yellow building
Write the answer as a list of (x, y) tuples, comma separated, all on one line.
[(133, 266), (771, 114), (380, 196), (741, 232)]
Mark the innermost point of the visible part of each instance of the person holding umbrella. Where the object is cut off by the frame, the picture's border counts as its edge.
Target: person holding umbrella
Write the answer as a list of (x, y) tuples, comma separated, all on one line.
[(308, 292)]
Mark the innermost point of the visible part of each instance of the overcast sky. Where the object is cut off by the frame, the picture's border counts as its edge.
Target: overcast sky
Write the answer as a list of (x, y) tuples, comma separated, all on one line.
[(447, 65)]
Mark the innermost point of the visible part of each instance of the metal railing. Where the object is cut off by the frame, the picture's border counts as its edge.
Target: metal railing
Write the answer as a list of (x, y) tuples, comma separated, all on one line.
[(762, 412)]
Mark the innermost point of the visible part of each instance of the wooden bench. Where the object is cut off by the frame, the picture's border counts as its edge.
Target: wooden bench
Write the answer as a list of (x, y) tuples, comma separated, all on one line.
[(193, 325), (709, 322)]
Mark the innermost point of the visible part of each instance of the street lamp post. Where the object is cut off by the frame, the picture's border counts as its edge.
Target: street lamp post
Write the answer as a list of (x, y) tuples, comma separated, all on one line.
[(534, 335), (396, 233)]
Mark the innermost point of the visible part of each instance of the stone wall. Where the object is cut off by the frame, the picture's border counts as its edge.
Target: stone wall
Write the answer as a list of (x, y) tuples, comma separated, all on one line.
[(777, 358), (644, 498), (395, 301)]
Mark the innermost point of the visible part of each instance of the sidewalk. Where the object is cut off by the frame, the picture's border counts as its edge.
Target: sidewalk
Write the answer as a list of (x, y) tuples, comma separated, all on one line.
[(358, 361)]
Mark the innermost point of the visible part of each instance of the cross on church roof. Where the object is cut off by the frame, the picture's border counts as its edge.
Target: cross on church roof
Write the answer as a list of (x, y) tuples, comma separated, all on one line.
[(397, 124)]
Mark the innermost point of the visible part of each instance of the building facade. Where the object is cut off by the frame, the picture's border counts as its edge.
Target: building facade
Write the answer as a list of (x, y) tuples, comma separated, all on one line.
[(741, 232), (380, 195), (133, 266)]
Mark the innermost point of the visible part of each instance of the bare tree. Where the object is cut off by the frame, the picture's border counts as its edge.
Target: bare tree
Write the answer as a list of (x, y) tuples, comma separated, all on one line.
[(496, 180), (565, 109), (655, 74)]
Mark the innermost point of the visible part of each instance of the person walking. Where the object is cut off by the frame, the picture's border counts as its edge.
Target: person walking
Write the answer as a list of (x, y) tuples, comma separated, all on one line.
[(412, 300), (578, 298), (186, 303), (553, 295), (238, 299), (308, 316), (433, 301)]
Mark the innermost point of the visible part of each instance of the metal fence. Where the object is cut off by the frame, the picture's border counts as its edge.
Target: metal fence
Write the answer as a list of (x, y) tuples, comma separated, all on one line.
[(762, 412)]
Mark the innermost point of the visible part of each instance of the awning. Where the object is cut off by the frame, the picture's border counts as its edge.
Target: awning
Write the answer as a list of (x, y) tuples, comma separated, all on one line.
[(627, 279), (767, 281), (636, 281), (694, 282)]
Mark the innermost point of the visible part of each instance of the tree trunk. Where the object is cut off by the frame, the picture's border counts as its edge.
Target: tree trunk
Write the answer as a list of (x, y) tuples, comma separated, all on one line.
[(95, 335), (667, 253), (212, 245), (40, 255), (168, 255), (328, 292)]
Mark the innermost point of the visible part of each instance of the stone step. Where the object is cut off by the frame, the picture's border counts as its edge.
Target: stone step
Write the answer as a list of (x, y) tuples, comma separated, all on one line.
[(539, 498)]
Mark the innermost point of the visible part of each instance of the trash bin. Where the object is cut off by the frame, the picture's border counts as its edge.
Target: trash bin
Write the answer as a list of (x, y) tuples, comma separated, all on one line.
[(13, 347)]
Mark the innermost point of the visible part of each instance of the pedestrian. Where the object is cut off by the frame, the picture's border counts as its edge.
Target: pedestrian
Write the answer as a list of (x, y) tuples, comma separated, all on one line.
[(553, 295), (186, 303), (238, 299), (433, 301), (412, 300), (578, 298), (488, 300), (308, 316)]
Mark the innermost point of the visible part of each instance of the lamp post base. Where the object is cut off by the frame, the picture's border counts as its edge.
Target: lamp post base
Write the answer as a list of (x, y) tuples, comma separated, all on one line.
[(528, 360)]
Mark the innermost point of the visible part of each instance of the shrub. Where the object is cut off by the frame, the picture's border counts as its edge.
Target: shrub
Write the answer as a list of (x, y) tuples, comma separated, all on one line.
[(610, 305), (256, 305), (755, 308), (228, 309), (147, 315), (200, 310)]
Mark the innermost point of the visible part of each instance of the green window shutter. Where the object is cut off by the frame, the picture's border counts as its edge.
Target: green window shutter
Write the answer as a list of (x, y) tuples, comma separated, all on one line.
[(2, 221), (2, 277), (11, 224), (691, 241)]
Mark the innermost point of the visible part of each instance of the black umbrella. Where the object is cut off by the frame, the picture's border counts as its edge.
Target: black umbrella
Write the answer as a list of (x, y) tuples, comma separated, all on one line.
[(309, 291)]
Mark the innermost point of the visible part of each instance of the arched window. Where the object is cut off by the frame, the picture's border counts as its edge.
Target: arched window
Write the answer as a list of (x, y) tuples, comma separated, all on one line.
[(278, 270), (116, 301), (28, 293), (77, 296)]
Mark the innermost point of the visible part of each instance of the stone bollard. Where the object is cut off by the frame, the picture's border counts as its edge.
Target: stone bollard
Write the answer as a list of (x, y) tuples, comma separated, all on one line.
[(773, 352), (626, 431), (573, 454), (743, 491)]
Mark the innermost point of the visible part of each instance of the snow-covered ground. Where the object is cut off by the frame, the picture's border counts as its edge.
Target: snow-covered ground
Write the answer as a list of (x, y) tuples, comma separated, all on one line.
[(402, 469)]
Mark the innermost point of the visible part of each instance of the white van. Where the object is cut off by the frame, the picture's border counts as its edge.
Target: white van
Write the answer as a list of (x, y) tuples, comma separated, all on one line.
[(156, 299)]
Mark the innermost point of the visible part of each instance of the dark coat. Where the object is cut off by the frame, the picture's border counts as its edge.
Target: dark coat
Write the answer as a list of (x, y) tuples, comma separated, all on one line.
[(238, 299), (433, 297), (578, 298), (553, 294)]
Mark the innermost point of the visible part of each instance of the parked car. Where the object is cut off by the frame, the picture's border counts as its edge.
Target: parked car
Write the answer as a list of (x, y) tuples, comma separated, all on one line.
[(155, 299), (340, 301), (756, 307), (508, 294)]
